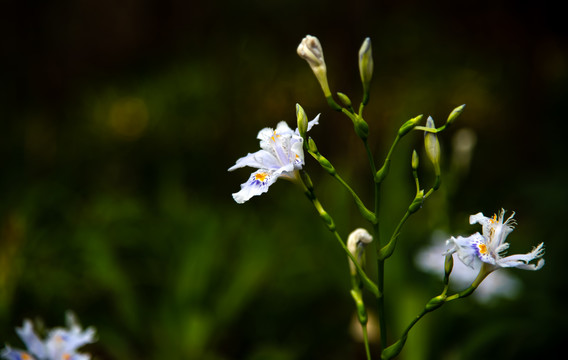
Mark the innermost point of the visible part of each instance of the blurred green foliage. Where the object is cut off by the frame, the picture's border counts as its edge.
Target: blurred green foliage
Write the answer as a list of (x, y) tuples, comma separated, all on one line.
[(120, 120)]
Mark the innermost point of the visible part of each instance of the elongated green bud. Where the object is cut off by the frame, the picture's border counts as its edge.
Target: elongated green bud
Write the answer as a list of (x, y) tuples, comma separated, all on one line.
[(435, 303), (366, 67), (312, 146), (448, 266), (454, 114), (415, 160), (361, 128), (302, 119), (326, 165), (409, 125), (344, 99), (432, 146)]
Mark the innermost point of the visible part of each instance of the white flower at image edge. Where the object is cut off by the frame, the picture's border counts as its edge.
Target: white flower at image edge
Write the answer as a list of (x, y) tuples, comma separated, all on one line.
[(281, 156), (489, 246), (60, 343), (499, 284)]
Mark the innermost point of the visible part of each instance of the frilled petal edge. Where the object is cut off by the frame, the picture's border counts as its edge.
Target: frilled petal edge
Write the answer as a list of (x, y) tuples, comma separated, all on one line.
[(258, 183)]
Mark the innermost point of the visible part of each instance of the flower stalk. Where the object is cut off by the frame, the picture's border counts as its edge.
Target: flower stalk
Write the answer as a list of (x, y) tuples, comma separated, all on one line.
[(282, 156)]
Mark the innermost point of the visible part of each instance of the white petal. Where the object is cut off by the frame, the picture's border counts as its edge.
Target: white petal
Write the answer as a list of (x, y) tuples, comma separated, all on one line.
[(265, 134), (522, 261), (32, 341), (467, 248), (283, 129), (261, 160), (478, 218), (297, 154), (257, 184)]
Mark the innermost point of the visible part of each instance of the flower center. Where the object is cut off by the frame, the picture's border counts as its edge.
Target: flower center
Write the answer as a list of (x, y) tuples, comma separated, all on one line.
[(482, 249), (260, 177), (274, 136)]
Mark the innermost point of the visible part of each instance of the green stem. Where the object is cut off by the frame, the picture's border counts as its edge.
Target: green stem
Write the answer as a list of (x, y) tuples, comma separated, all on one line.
[(438, 301), (366, 340), (371, 159), (383, 171), (327, 219), (366, 213), (414, 321), (381, 303), (388, 249)]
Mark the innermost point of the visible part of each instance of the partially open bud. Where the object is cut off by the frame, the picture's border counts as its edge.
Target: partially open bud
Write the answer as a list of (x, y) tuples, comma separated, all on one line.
[(366, 67), (356, 245), (310, 50), (432, 146), (302, 121)]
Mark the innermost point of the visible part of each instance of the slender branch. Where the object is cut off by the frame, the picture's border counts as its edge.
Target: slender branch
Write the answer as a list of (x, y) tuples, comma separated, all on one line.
[(367, 283), (366, 340), (365, 212), (388, 249), (383, 171)]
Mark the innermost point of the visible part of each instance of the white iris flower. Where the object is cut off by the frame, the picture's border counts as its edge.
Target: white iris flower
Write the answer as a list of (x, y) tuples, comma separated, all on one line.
[(60, 344), (281, 156), (500, 284), (489, 246)]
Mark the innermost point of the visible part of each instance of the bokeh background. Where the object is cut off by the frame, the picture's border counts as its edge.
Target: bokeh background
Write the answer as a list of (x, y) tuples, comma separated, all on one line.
[(120, 118)]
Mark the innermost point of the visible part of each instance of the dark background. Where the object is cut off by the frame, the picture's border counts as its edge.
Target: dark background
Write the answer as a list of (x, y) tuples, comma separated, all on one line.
[(120, 118)]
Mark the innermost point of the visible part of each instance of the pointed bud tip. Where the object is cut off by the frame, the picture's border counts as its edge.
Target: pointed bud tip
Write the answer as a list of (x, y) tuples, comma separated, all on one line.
[(415, 160), (302, 120), (454, 114)]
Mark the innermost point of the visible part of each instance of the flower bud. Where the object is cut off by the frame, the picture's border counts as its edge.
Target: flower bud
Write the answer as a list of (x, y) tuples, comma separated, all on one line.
[(361, 128), (312, 146), (344, 99), (432, 146), (409, 125), (415, 160), (326, 165), (454, 114), (448, 266), (435, 303), (356, 245), (366, 67), (310, 50), (302, 121)]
